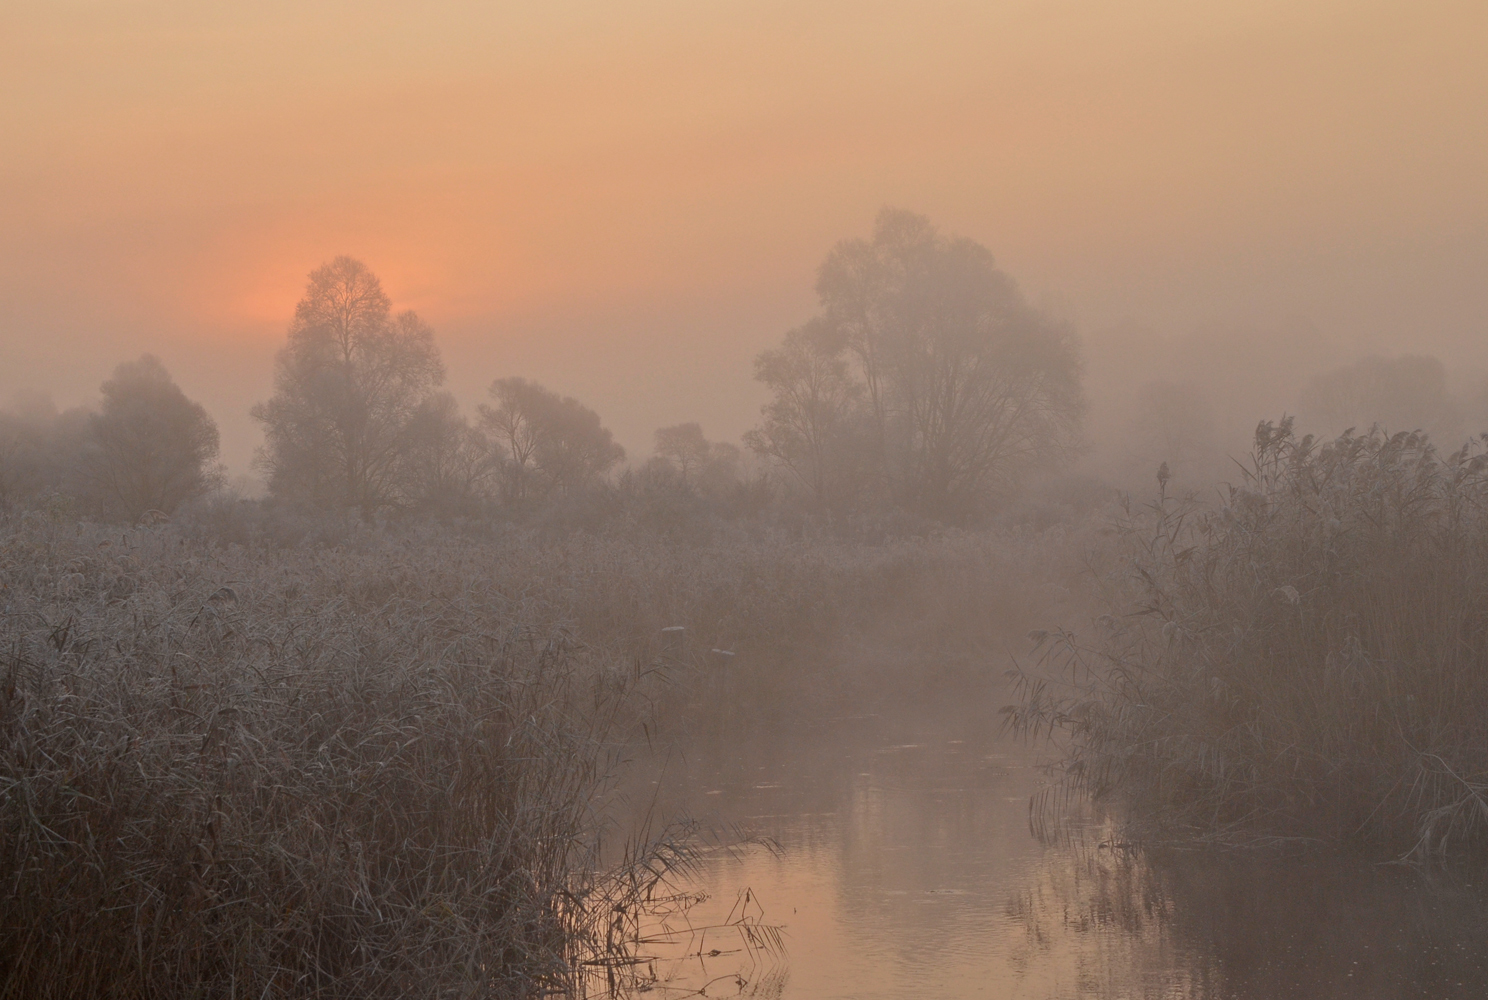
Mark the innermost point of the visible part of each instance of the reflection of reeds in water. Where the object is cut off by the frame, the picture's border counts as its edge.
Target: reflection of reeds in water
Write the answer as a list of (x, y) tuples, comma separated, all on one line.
[(663, 953), (1060, 813), (1249, 925), (1098, 915), (1097, 883)]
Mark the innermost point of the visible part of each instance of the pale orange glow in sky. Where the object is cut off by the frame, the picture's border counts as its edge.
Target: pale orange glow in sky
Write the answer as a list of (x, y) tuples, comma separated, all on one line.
[(627, 201)]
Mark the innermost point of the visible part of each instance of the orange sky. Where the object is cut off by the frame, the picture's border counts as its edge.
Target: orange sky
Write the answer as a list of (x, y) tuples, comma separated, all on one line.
[(627, 201)]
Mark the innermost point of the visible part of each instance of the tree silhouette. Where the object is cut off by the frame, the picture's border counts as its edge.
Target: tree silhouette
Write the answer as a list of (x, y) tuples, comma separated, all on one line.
[(814, 426), (149, 447), (965, 386), (447, 464), (346, 385), (546, 445)]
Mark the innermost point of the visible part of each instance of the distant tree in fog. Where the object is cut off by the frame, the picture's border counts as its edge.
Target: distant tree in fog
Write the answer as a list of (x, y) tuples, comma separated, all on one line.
[(514, 427), (815, 423), (964, 385), (23, 450), (43, 459), (149, 447), (708, 467), (724, 468), (1400, 394), (346, 387), (546, 445), (447, 464), (685, 447)]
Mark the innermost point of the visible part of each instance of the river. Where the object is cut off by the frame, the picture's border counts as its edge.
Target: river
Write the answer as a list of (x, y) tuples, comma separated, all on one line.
[(867, 858)]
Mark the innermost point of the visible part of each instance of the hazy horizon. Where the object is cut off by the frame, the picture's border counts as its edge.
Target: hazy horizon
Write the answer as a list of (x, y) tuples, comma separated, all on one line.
[(629, 204)]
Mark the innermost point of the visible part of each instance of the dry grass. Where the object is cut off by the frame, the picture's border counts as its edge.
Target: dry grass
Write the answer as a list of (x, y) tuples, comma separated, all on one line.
[(380, 767), (334, 776), (1307, 659)]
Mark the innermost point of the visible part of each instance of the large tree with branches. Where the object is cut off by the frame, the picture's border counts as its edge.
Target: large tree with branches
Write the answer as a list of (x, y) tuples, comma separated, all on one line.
[(962, 385), (347, 385)]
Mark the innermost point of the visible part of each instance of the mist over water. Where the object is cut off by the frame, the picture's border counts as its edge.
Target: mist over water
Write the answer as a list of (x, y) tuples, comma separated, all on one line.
[(898, 859), (940, 500)]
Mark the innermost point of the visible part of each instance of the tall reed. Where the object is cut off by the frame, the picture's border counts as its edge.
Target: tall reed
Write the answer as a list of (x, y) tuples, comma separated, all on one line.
[(1306, 658), (282, 786)]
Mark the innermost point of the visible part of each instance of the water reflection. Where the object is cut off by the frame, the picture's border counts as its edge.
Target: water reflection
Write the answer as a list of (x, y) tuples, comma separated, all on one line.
[(1255, 925), (906, 868)]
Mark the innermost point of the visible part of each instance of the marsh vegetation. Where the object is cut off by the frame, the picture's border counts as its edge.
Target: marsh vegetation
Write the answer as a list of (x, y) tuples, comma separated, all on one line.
[(304, 768), (1301, 658)]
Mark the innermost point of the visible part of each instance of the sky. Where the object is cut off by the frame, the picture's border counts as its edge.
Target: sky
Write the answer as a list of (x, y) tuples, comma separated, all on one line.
[(628, 201)]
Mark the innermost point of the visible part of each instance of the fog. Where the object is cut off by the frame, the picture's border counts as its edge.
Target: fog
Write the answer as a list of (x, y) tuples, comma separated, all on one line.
[(772, 500), (649, 191)]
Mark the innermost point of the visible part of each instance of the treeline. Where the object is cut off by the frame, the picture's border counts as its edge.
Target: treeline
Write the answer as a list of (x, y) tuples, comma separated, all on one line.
[(1193, 401), (358, 421), (925, 387), (927, 384)]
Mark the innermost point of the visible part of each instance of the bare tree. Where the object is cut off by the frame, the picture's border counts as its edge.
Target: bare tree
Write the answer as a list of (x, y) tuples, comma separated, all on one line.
[(546, 445), (709, 468), (515, 425), (813, 425), (867, 292), (447, 464), (685, 447), (346, 385), (967, 385), (149, 447)]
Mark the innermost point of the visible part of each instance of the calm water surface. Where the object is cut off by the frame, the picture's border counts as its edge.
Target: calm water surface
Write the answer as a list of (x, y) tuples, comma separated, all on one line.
[(900, 864)]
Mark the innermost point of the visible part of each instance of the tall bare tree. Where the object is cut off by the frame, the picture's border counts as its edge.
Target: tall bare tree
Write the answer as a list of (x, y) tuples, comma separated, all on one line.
[(346, 386)]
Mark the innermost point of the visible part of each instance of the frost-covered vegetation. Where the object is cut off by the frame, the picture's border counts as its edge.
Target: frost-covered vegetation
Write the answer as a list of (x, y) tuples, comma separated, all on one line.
[(355, 737), (331, 774), (1304, 660), (375, 761)]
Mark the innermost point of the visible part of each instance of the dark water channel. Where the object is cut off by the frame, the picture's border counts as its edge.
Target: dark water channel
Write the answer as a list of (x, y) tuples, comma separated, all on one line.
[(899, 863)]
